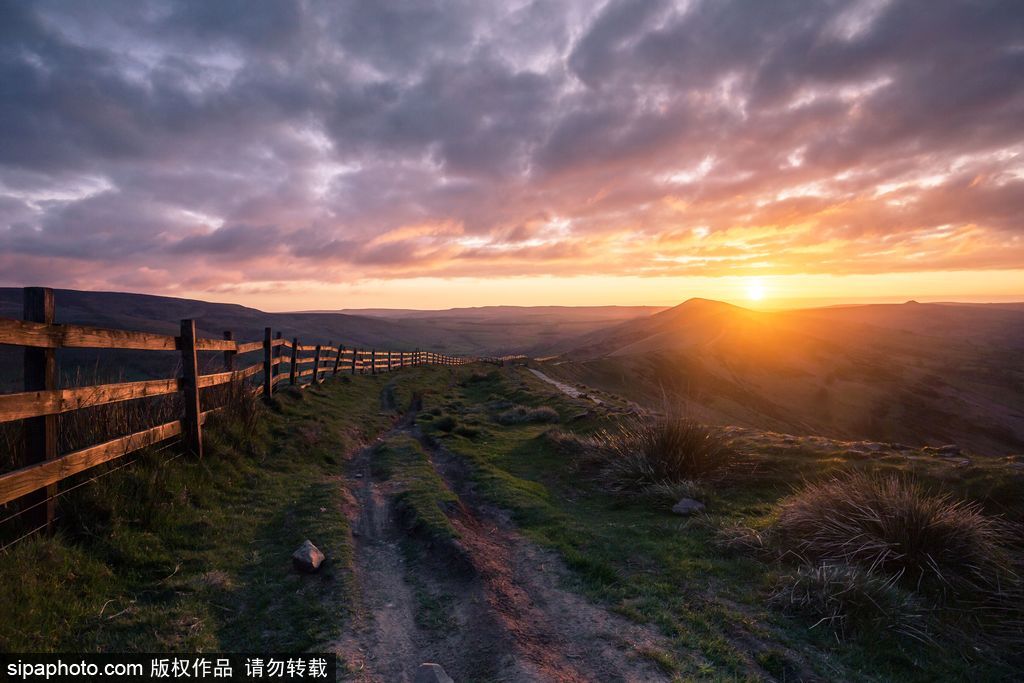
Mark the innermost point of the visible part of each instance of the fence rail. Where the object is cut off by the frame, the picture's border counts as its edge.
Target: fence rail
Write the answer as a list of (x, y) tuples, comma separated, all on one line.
[(35, 484)]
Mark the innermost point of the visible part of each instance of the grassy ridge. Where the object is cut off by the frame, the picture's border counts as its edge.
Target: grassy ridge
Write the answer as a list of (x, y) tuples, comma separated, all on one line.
[(658, 568), (187, 555)]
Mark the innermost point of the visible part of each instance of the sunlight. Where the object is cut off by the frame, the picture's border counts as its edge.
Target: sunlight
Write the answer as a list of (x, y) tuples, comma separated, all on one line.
[(755, 289)]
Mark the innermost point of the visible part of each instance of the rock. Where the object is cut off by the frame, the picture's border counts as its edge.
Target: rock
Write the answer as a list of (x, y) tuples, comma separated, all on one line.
[(947, 451), (432, 673), (687, 506), (307, 558)]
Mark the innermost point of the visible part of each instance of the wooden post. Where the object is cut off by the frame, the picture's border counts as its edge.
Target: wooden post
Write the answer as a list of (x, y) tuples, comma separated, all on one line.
[(40, 432), (292, 374), (355, 352), (229, 356), (337, 359), (316, 365), (373, 361), (268, 364), (191, 429), (389, 361)]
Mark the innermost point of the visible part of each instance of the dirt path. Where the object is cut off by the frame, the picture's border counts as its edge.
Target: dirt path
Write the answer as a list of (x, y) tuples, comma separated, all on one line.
[(566, 389), (489, 608)]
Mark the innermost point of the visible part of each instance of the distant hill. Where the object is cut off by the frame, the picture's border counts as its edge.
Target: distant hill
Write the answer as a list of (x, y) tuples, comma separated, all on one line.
[(916, 373), (493, 330)]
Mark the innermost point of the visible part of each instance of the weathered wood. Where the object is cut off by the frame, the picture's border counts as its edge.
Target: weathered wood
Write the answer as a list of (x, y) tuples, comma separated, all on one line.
[(216, 379), (43, 335), (268, 364), (281, 342), (249, 347), (229, 356), (373, 362), (355, 357), (294, 366), (337, 359), (34, 477), (39, 403), (190, 389), (316, 365), (307, 348), (214, 345), (40, 374)]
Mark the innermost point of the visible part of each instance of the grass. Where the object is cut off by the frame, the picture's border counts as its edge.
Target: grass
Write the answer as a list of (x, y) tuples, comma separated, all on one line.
[(193, 555), (723, 610), (422, 495)]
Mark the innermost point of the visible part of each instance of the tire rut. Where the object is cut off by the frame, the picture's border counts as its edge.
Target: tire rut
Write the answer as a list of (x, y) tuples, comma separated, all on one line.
[(505, 615)]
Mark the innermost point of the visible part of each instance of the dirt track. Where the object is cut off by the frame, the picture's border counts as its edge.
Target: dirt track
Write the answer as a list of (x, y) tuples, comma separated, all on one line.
[(507, 617)]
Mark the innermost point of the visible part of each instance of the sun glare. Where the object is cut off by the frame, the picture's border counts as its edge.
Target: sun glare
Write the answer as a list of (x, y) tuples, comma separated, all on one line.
[(755, 289)]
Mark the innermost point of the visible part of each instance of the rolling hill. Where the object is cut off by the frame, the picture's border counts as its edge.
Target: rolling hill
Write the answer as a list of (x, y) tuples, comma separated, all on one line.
[(914, 373)]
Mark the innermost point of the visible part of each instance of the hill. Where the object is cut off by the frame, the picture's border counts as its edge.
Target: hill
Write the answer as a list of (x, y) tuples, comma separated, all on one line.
[(915, 373)]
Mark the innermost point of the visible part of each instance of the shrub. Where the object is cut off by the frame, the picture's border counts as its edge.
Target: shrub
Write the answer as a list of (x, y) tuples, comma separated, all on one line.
[(890, 525), (523, 415), (848, 599), (661, 451)]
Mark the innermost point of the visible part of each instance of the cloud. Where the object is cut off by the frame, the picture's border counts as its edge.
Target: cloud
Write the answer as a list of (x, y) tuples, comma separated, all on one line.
[(151, 144)]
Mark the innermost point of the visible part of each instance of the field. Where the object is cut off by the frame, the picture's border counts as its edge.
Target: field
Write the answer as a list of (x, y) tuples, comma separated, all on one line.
[(462, 525)]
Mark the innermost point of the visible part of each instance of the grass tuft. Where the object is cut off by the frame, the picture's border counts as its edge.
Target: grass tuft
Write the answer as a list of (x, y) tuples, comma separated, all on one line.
[(525, 415), (662, 451)]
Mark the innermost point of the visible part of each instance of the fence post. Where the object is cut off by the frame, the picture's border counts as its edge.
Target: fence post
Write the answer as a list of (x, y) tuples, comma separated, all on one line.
[(268, 364), (373, 361), (337, 359), (355, 352), (389, 361), (316, 365), (191, 429), (40, 432), (292, 374), (229, 356)]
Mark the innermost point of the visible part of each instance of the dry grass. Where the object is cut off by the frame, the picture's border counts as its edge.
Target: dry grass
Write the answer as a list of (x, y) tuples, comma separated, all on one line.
[(890, 525), (660, 451)]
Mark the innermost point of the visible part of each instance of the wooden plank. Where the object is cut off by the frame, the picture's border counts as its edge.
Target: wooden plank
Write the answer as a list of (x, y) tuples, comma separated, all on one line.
[(218, 378), (250, 347), (34, 477), (307, 348), (304, 373), (40, 374), (42, 335), (37, 403), (281, 342), (215, 345), (316, 366), (337, 359), (190, 389)]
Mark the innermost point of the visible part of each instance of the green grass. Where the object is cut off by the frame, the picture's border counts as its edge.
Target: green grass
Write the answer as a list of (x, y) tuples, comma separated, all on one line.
[(657, 568), (195, 555), (421, 495)]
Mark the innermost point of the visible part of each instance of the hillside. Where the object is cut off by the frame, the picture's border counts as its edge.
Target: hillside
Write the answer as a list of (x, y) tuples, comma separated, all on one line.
[(914, 373)]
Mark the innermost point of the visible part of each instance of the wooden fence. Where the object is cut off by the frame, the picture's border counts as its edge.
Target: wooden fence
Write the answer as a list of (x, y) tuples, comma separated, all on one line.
[(35, 484)]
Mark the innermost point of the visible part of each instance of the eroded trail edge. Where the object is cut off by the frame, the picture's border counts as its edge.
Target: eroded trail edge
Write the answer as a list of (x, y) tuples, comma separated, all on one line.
[(488, 605)]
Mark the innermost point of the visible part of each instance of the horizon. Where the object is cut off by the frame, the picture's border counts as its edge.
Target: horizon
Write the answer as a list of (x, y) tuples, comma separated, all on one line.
[(403, 156)]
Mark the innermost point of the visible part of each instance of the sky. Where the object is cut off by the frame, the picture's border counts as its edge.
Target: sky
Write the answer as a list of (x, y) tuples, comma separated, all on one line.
[(322, 155)]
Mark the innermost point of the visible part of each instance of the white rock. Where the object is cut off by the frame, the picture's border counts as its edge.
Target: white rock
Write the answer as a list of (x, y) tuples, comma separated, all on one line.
[(307, 558), (687, 506)]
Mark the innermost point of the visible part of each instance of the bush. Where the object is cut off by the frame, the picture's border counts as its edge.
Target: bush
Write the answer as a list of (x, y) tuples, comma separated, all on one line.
[(849, 600), (890, 525), (523, 415), (662, 451)]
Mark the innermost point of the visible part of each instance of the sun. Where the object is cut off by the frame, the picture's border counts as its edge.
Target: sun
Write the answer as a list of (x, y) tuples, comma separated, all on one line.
[(755, 289)]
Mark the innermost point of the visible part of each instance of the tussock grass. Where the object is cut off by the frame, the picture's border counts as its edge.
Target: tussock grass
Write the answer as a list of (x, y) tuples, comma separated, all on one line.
[(661, 452), (525, 415), (891, 525), (850, 600)]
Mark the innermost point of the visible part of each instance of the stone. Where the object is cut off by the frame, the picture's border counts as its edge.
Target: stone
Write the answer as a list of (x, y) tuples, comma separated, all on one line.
[(432, 673), (308, 557), (687, 506)]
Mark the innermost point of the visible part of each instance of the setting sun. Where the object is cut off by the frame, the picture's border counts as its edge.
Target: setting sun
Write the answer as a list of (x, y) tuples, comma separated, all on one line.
[(755, 289)]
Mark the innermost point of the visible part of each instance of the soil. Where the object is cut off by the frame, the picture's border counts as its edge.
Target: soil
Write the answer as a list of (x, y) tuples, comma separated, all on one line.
[(490, 606)]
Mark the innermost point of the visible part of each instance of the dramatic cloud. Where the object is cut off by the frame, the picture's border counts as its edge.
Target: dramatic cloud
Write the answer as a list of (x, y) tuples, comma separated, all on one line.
[(172, 146)]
